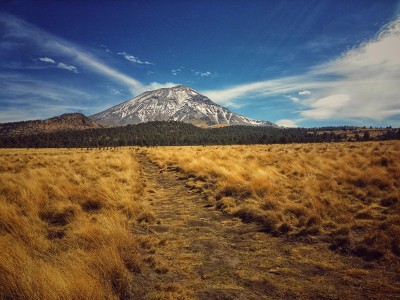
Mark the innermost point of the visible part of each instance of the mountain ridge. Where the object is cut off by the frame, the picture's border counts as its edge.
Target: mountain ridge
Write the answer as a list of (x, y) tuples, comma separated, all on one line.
[(178, 103)]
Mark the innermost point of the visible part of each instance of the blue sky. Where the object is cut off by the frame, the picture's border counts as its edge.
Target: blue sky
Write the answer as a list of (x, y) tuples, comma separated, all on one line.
[(298, 63)]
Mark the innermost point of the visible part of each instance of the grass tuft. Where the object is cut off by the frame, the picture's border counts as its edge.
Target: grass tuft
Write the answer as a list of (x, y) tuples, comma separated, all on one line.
[(92, 205), (57, 216)]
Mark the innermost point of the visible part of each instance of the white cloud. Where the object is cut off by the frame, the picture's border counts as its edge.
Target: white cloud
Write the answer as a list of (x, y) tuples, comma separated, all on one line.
[(361, 84), (203, 74), (47, 59), (134, 59), (156, 85), (304, 93), (294, 99), (368, 85), (67, 67), (286, 123)]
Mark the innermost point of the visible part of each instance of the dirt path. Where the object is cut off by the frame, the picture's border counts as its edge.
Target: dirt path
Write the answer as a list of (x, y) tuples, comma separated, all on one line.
[(202, 254)]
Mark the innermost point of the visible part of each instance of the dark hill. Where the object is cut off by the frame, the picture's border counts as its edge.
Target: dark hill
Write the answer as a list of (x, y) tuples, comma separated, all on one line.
[(72, 121)]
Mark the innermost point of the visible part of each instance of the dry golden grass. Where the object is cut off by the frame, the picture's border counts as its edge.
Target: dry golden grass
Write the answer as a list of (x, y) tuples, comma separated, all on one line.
[(66, 219), (82, 224), (346, 194)]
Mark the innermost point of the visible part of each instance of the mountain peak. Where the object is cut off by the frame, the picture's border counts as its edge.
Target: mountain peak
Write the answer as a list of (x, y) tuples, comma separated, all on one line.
[(177, 103), (181, 87)]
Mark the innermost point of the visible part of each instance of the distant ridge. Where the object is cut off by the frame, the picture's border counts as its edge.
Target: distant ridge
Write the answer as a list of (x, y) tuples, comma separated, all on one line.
[(70, 121), (179, 103)]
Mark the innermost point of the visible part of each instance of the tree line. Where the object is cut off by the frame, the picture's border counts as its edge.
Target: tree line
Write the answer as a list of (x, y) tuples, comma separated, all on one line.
[(170, 133)]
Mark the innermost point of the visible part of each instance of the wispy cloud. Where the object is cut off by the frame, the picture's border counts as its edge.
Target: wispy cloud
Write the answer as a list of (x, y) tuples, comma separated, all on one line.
[(47, 60), (360, 84), (323, 43), (95, 64), (106, 48), (327, 107), (23, 96), (231, 95), (176, 71), (28, 98), (67, 67), (60, 65), (134, 59), (22, 31), (116, 92), (368, 81), (203, 74)]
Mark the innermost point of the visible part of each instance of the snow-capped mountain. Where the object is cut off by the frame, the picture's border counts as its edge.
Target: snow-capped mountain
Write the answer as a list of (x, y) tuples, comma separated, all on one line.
[(179, 103)]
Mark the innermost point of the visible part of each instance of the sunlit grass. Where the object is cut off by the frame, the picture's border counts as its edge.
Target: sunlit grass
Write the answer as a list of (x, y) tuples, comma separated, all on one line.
[(346, 194), (66, 222), (75, 223)]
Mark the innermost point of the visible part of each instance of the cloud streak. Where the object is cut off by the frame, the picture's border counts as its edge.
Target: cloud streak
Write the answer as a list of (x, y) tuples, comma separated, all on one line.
[(23, 96), (27, 98), (360, 84), (18, 29)]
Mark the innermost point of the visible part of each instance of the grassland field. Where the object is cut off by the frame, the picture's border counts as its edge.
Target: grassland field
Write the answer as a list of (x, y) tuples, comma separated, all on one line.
[(77, 223), (343, 193)]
